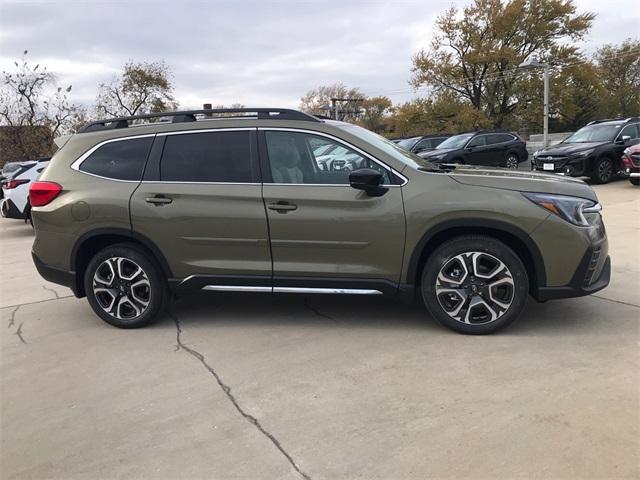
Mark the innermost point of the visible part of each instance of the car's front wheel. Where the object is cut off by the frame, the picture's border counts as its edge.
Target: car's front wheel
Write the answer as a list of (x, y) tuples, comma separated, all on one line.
[(474, 284), (634, 181), (124, 287)]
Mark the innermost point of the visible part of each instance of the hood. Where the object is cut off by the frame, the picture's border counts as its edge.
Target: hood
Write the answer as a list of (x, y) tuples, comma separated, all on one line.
[(522, 181), (437, 152), (562, 149)]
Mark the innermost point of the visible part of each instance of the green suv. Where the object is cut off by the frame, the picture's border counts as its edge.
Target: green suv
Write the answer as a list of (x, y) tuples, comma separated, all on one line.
[(273, 200)]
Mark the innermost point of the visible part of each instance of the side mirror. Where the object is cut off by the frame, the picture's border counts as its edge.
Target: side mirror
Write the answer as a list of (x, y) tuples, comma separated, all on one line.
[(624, 139), (369, 180)]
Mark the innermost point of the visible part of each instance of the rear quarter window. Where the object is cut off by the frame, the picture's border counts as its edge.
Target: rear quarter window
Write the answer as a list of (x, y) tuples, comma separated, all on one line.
[(120, 159)]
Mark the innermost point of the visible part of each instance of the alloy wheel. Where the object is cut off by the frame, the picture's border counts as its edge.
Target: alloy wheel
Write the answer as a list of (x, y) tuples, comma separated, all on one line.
[(604, 170), (121, 288), (475, 288), (512, 162)]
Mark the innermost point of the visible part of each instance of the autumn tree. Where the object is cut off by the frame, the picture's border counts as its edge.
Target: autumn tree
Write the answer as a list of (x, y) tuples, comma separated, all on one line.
[(374, 113), (317, 100), (475, 55), (143, 87), (619, 71), (34, 109)]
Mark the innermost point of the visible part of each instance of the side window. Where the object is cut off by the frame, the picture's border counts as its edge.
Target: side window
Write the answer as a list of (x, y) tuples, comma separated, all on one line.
[(207, 157), (499, 138), (120, 160), (422, 145), (478, 141), (631, 131), (304, 158)]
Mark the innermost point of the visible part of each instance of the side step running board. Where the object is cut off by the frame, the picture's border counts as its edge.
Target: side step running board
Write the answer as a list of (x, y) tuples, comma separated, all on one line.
[(341, 291)]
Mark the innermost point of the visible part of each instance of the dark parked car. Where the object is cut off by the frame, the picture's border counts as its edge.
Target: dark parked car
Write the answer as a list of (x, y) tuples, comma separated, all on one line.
[(631, 163), (492, 148), (593, 151), (422, 144)]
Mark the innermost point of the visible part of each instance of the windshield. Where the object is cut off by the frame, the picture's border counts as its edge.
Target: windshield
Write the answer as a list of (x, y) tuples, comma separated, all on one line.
[(408, 143), (457, 141), (594, 133), (10, 167), (390, 148)]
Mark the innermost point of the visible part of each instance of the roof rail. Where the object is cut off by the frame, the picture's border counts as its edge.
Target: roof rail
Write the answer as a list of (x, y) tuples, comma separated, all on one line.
[(190, 116), (593, 122)]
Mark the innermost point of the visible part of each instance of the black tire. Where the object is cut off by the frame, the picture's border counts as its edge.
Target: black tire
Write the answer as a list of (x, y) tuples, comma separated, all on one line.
[(635, 181), (602, 171), (512, 161), (152, 286), (511, 291)]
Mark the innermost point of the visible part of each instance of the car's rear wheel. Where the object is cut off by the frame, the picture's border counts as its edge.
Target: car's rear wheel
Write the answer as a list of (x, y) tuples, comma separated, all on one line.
[(602, 170), (124, 287), (512, 161), (474, 284)]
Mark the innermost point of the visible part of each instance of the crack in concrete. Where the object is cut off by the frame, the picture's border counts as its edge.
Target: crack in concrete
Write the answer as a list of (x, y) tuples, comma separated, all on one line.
[(61, 297), (12, 318), (19, 334), (51, 290), (227, 390), (616, 301), (315, 310)]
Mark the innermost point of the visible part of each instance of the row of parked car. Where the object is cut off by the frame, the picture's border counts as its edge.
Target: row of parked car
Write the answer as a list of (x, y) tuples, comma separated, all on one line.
[(601, 150), (15, 179)]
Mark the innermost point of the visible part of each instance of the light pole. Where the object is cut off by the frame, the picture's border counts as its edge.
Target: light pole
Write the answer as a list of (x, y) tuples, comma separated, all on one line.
[(532, 62)]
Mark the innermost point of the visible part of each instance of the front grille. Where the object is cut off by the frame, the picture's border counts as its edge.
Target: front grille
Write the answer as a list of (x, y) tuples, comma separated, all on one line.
[(636, 159), (559, 161), (591, 268)]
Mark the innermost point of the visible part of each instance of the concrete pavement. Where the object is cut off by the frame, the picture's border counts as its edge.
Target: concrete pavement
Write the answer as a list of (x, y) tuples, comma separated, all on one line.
[(260, 386)]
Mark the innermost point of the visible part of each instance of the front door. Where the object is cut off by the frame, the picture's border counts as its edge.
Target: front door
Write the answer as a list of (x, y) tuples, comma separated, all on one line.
[(324, 233), (201, 203)]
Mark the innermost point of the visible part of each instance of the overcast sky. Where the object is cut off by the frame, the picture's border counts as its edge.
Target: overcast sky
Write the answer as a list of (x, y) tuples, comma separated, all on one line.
[(266, 53)]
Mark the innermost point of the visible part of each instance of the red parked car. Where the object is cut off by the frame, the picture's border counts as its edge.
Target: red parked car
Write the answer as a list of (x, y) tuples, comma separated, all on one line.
[(631, 163)]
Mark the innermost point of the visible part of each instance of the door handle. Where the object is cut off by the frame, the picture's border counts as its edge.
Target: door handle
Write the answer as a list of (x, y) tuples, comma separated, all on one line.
[(282, 207), (158, 200)]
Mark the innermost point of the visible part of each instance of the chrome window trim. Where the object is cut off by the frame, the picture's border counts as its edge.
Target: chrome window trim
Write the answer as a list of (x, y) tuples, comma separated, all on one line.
[(77, 163), (404, 179), (513, 137)]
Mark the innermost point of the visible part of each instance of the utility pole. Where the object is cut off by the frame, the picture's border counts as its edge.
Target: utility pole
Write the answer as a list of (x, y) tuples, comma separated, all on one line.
[(334, 104), (532, 62)]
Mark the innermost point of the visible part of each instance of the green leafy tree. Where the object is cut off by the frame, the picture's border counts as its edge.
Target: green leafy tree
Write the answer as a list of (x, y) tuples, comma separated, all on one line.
[(143, 87), (374, 113), (619, 72), (475, 56)]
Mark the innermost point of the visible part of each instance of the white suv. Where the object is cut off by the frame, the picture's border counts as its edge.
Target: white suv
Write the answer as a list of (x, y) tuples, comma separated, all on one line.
[(16, 189)]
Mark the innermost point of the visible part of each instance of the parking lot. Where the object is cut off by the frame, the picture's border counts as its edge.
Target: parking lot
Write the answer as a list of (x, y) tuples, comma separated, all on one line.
[(260, 386)]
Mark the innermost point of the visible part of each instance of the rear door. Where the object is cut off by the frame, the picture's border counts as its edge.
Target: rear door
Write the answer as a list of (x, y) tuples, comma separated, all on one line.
[(200, 202), (324, 233)]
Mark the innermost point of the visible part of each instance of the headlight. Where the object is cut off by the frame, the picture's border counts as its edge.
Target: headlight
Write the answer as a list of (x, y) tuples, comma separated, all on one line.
[(536, 153), (627, 151), (584, 153), (571, 209)]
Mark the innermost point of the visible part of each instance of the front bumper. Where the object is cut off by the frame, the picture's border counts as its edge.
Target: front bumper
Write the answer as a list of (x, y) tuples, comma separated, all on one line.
[(574, 167), (592, 275), (56, 275)]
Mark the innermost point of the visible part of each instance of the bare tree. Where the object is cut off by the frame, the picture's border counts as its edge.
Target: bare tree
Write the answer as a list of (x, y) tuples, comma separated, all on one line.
[(143, 87), (33, 110)]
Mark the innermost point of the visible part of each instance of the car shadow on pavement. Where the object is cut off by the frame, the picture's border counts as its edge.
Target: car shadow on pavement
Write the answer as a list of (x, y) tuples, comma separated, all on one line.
[(572, 316)]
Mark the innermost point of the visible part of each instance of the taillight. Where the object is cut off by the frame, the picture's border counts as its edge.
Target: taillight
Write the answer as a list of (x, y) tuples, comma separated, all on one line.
[(41, 193), (14, 183)]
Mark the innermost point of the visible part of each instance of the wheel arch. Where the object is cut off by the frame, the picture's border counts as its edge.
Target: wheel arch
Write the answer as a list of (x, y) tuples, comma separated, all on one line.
[(91, 242), (514, 237)]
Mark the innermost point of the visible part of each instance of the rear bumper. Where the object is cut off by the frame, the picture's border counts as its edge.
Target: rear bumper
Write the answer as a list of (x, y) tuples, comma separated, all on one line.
[(56, 275)]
